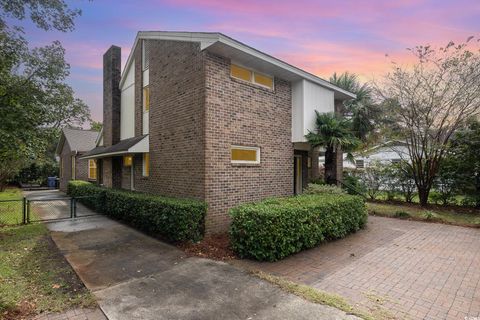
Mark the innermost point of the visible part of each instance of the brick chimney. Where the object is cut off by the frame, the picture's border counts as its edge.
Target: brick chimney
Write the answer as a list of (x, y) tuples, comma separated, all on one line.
[(111, 95)]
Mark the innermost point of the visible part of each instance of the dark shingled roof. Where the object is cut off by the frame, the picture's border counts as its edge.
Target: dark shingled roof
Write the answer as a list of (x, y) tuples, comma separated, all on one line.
[(122, 146), (80, 140)]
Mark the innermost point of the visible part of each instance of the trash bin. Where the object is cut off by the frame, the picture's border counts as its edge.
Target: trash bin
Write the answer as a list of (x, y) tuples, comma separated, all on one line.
[(51, 182)]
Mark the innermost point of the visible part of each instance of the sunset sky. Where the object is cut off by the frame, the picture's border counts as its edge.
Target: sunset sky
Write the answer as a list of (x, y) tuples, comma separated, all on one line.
[(319, 36)]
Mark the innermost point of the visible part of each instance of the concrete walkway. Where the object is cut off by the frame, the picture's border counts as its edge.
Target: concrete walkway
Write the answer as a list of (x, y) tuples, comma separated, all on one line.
[(137, 277)]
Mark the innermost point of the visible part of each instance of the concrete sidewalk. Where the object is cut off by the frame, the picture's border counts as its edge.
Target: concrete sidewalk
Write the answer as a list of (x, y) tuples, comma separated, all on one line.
[(137, 277)]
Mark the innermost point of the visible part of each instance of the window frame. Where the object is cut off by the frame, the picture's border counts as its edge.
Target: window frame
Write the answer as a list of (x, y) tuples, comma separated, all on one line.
[(252, 76), (90, 167), (145, 173), (257, 149)]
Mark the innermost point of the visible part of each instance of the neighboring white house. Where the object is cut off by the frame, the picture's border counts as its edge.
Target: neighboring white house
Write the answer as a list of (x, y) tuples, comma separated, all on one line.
[(387, 152)]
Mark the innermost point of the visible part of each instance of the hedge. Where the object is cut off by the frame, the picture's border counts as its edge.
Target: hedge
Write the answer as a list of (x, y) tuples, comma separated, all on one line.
[(275, 228), (169, 218)]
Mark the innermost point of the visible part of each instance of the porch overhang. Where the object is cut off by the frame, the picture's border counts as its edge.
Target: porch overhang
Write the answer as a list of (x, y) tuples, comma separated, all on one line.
[(133, 145)]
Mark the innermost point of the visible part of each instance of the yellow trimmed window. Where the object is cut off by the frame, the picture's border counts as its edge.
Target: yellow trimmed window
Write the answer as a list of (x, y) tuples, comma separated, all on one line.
[(241, 73), (127, 161), (263, 80), (146, 164), (146, 98), (92, 169), (240, 154), (251, 76)]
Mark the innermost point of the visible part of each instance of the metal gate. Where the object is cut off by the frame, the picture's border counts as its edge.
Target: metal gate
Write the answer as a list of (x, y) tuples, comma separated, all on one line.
[(55, 209), (23, 211)]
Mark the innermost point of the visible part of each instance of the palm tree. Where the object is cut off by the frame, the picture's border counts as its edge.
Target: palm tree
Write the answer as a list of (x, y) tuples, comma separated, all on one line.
[(365, 114), (334, 134)]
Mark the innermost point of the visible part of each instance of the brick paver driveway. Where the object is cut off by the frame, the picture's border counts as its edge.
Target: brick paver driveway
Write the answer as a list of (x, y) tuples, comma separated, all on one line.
[(413, 269)]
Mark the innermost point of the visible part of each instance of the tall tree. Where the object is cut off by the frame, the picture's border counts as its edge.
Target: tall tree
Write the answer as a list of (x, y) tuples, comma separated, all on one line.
[(34, 98), (430, 101), (333, 132), (365, 114)]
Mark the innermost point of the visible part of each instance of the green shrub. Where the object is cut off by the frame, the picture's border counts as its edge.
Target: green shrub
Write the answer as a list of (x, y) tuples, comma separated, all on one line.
[(313, 188), (401, 214), (278, 227), (169, 218), (429, 215), (471, 201)]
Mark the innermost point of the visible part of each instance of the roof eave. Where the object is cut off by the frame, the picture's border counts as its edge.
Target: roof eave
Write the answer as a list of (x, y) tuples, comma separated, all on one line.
[(207, 39)]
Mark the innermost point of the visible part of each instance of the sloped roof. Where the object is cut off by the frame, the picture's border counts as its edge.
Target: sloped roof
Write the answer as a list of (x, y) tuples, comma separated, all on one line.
[(78, 139), (223, 45), (130, 145)]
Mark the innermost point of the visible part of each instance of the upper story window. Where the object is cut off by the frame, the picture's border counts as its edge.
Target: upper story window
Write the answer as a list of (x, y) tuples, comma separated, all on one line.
[(145, 55), (251, 76), (146, 98)]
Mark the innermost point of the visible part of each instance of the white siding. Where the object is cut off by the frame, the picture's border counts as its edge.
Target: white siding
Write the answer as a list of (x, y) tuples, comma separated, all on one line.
[(306, 98), (145, 128), (127, 105)]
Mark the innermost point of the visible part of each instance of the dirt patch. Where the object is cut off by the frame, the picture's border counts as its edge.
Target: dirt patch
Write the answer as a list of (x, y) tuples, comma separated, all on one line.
[(216, 247)]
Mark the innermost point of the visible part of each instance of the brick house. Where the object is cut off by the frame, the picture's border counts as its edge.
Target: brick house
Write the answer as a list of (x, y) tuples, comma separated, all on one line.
[(201, 115), (73, 144)]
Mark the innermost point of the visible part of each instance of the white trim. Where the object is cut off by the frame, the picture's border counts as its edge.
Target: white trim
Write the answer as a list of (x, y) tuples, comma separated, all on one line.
[(207, 39), (257, 149)]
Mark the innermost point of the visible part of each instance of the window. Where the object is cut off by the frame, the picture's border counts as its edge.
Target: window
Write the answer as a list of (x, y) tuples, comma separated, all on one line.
[(92, 169), (73, 167), (263, 80), (146, 98), (360, 164), (245, 74), (145, 55), (241, 73), (250, 155), (146, 164), (60, 165), (127, 161)]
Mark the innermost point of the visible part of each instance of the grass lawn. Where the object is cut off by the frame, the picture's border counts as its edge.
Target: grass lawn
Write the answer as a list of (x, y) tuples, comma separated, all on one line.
[(450, 215), (34, 275), (11, 212)]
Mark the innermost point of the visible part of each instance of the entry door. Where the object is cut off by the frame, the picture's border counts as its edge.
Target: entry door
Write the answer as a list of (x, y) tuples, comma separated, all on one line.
[(297, 176)]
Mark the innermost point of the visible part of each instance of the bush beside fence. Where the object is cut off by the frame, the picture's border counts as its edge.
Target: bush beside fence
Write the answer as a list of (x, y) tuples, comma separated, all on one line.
[(169, 218), (275, 228)]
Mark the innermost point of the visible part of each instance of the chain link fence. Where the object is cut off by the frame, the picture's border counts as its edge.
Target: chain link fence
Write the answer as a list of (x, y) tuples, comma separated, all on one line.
[(12, 212)]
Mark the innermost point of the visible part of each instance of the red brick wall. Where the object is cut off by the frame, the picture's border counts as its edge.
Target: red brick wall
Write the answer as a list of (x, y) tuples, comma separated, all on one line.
[(81, 167), (177, 89), (238, 113)]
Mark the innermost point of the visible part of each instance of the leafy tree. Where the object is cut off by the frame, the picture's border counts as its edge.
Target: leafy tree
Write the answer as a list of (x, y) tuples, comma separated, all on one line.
[(96, 126), (460, 169), (430, 101), (333, 133), (34, 99), (365, 114)]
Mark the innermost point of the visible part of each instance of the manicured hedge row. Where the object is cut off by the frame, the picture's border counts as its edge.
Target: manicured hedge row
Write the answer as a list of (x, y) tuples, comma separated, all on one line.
[(170, 218), (275, 228)]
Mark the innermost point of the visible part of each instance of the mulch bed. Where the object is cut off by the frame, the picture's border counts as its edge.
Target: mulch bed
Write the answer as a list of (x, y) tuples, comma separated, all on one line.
[(216, 247)]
